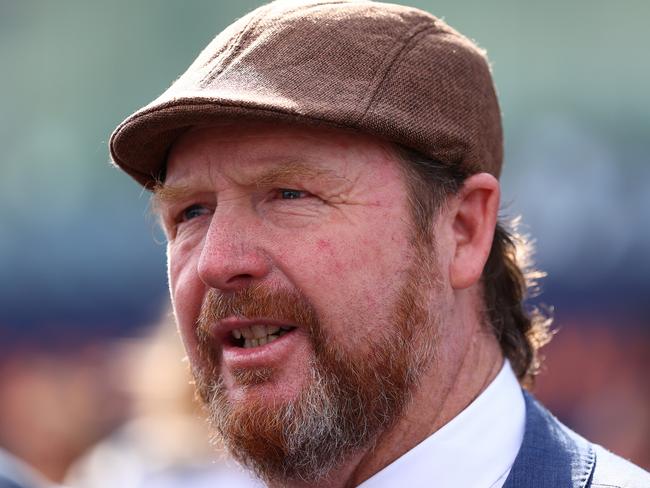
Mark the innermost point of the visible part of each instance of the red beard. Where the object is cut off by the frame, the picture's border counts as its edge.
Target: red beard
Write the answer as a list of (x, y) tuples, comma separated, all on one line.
[(347, 402)]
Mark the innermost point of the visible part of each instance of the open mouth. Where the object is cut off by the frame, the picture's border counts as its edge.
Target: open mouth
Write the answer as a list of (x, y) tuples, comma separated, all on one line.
[(257, 335)]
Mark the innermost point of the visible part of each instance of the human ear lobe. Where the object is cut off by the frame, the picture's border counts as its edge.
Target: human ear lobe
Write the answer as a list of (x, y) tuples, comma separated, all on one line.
[(474, 218)]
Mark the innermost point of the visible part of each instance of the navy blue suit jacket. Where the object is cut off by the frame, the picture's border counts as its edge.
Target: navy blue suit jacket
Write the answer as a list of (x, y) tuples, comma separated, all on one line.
[(553, 456)]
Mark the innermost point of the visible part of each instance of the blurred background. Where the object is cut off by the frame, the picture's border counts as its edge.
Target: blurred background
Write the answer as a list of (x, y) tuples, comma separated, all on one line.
[(82, 267)]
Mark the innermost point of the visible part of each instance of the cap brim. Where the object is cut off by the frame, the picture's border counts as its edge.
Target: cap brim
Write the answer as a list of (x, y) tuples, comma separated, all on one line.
[(140, 145)]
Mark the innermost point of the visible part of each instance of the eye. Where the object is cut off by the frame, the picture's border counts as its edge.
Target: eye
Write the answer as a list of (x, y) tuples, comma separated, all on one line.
[(289, 194), (192, 212)]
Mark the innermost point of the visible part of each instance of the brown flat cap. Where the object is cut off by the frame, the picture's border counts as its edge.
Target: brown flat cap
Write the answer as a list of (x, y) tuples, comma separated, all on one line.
[(387, 70)]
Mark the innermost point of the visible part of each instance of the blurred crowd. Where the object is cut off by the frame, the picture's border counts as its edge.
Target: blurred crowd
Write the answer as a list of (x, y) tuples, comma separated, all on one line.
[(107, 413)]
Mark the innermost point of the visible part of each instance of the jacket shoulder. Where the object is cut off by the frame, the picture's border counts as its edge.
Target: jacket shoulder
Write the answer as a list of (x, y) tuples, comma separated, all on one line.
[(612, 471), (552, 456)]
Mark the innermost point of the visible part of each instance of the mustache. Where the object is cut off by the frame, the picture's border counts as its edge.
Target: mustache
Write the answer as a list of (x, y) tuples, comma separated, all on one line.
[(257, 301)]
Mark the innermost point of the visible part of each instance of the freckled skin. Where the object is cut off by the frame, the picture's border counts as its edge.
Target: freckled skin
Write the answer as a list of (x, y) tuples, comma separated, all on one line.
[(344, 243), (323, 245)]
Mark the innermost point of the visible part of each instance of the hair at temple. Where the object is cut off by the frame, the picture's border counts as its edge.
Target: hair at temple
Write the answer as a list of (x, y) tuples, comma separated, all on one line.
[(508, 278)]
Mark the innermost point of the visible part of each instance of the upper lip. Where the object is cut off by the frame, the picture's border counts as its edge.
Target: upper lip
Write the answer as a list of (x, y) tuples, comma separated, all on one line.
[(223, 328)]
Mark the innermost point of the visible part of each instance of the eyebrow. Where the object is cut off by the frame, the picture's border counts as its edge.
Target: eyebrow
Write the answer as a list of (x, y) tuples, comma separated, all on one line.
[(288, 170), (168, 195)]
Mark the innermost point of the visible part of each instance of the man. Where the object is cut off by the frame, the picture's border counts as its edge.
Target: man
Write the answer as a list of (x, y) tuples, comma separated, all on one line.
[(326, 173)]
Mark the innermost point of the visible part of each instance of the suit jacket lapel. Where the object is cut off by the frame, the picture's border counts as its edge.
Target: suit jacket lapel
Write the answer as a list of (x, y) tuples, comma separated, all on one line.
[(551, 455)]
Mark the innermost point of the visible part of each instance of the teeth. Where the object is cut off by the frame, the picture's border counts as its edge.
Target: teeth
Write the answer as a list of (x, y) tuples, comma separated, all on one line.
[(259, 335), (259, 331)]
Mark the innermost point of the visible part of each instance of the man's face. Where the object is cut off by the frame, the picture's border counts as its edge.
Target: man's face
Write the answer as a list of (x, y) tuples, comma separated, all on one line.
[(303, 238)]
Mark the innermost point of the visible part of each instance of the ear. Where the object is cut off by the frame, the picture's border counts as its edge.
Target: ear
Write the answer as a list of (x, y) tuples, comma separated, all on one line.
[(473, 219)]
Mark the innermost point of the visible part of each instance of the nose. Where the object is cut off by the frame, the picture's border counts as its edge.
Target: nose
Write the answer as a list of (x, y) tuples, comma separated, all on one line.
[(231, 257)]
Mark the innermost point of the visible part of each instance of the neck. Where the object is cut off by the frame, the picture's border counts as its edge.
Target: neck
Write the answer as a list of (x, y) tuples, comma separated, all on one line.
[(434, 404)]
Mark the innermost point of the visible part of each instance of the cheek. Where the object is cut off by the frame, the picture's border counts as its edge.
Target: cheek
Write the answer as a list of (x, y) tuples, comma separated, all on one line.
[(187, 291), (353, 278)]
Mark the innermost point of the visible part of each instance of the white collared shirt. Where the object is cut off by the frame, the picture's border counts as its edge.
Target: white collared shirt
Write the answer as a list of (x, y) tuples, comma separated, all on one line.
[(476, 449)]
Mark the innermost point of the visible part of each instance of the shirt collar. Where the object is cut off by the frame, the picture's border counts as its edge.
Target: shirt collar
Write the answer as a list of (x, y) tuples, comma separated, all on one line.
[(475, 449)]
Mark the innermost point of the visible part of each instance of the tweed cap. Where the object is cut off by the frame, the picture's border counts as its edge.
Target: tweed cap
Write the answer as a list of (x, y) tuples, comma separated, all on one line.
[(391, 71)]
